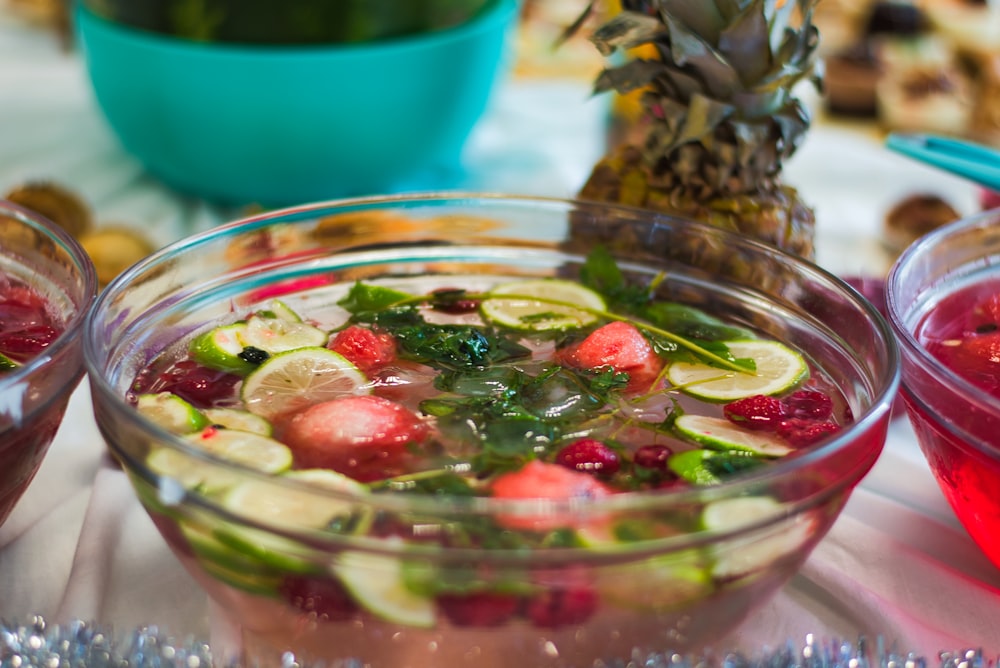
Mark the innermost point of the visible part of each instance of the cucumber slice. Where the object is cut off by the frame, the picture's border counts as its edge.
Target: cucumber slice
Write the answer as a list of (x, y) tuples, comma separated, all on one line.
[(280, 310), (240, 420), (377, 583), (171, 412), (721, 434), (276, 335), (778, 370), (220, 349), (754, 552), (542, 305)]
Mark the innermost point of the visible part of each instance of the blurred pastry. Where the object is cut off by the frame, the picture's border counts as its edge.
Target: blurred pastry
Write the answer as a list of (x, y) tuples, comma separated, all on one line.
[(973, 26), (851, 79), (914, 216), (923, 88)]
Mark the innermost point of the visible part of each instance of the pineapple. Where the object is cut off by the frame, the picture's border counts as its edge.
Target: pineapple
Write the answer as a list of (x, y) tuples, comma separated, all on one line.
[(718, 112)]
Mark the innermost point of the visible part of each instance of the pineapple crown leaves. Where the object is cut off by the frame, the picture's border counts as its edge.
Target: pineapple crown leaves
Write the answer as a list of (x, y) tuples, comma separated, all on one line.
[(720, 91)]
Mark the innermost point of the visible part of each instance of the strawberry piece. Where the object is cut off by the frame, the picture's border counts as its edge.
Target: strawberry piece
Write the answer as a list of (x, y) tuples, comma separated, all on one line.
[(800, 432), (757, 412), (365, 437), (478, 609), (27, 342), (809, 404), (589, 455), (542, 480), (621, 346), (453, 301), (653, 456), (365, 348)]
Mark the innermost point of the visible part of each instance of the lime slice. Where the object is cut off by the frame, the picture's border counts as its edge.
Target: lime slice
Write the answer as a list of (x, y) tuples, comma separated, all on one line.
[(711, 467), (753, 552), (779, 369), (376, 582), (295, 379), (657, 584), (6, 363), (220, 349), (276, 335), (721, 434), (171, 412), (542, 305), (234, 418), (240, 447)]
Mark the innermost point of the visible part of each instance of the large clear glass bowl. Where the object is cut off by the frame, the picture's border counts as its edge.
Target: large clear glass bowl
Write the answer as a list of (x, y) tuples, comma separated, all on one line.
[(956, 422), (36, 253), (332, 594)]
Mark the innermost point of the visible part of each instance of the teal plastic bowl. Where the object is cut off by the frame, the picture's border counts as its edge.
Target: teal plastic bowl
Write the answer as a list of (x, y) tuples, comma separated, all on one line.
[(278, 125)]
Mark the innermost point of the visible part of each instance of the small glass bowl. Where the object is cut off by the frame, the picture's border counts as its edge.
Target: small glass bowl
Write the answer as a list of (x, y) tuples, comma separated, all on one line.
[(956, 422), (40, 257), (287, 585)]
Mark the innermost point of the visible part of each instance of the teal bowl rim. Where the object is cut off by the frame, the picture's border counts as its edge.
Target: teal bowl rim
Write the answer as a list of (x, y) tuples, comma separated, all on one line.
[(493, 13)]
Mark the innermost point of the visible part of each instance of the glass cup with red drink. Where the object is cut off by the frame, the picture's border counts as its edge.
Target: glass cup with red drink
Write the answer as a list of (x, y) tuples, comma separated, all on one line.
[(47, 283), (943, 296)]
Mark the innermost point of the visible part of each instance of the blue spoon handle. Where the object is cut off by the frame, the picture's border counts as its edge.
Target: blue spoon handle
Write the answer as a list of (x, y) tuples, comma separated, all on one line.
[(972, 161)]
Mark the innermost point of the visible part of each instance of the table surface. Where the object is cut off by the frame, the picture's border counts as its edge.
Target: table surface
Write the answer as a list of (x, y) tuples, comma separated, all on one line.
[(895, 565)]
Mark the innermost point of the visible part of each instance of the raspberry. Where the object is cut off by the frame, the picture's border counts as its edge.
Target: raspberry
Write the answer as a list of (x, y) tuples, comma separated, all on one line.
[(809, 404), (322, 598), (652, 457), (800, 432), (588, 455), (367, 349), (758, 412), (558, 607), (479, 609)]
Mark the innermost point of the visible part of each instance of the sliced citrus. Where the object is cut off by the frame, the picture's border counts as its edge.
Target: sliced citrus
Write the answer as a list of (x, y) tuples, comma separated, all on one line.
[(377, 582), (295, 379), (778, 369), (220, 348), (542, 304), (276, 335), (171, 412), (234, 418), (721, 434), (282, 311), (240, 447)]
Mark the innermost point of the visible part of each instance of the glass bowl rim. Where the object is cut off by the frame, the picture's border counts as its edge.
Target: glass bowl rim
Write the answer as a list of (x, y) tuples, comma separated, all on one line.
[(775, 472), (72, 328), (918, 353)]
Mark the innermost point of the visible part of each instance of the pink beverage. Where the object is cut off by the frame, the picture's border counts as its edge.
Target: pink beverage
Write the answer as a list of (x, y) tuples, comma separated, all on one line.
[(962, 332), (46, 284), (482, 451), (943, 297)]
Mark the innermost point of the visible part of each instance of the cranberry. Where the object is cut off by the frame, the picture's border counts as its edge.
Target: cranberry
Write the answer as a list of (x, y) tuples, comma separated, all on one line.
[(757, 412), (199, 385), (478, 609), (809, 404), (652, 457), (801, 432), (453, 300), (589, 455), (324, 598), (557, 607)]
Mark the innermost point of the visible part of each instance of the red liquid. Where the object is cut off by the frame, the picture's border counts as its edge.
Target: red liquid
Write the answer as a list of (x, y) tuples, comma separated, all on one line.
[(963, 333), (28, 326)]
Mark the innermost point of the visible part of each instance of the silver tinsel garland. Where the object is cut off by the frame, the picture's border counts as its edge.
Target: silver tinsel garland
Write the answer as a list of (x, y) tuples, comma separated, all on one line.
[(36, 644)]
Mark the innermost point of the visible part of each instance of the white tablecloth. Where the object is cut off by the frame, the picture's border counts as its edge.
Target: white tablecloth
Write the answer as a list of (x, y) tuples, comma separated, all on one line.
[(895, 565)]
